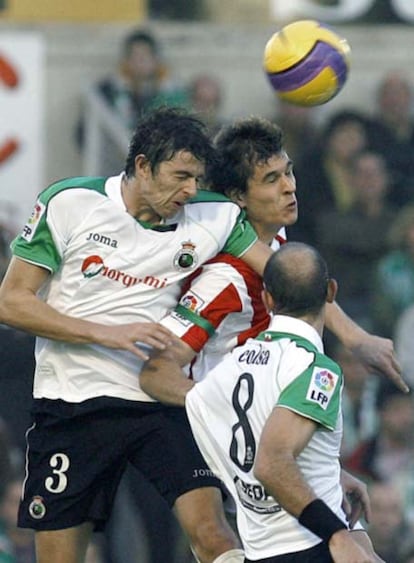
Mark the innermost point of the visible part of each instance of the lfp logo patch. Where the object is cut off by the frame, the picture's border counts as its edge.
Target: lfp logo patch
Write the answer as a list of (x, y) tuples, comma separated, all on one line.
[(322, 386), (30, 228)]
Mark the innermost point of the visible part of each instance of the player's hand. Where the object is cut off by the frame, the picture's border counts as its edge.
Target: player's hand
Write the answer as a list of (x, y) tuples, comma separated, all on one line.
[(344, 549), (356, 501), (129, 336), (377, 355)]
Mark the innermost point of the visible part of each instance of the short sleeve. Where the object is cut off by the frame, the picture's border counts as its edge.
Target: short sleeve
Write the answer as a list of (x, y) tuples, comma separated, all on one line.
[(316, 392)]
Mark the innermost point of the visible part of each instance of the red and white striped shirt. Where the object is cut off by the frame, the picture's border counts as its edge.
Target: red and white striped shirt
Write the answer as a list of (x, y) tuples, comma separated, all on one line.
[(220, 307)]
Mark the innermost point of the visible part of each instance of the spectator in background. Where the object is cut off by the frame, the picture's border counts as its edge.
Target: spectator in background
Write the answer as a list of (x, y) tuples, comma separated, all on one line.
[(4, 252), (388, 455), (393, 288), (299, 127), (8, 230), (20, 540), (8, 465), (389, 529), (16, 376), (142, 81), (353, 241), (393, 133), (358, 399), (205, 98), (324, 174)]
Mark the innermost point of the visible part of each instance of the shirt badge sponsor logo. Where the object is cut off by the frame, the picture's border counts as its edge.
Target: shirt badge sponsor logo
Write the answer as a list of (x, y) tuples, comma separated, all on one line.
[(92, 266), (186, 257), (322, 386), (30, 228), (189, 301), (192, 301), (37, 508)]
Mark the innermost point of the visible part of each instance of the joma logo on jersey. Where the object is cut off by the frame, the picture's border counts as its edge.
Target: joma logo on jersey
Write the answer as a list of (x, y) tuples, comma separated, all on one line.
[(94, 265), (322, 387), (96, 237)]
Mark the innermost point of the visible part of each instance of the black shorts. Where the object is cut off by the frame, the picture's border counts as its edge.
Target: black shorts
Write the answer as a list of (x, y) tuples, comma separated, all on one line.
[(317, 554), (77, 454)]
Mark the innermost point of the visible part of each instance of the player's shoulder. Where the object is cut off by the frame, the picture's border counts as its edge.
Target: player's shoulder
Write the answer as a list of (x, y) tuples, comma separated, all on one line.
[(206, 196), (214, 208), (224, 261), (89, 184)]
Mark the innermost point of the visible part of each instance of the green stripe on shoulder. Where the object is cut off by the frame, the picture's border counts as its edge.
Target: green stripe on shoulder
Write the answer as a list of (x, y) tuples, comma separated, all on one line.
[(269, 335), (207, 196), (97, 184), (320, 358)]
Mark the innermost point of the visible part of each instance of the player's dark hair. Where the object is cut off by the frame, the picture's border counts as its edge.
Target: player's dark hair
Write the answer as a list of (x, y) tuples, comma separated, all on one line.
[(139, 36), (162, 133), (241, 146), (296, 276)]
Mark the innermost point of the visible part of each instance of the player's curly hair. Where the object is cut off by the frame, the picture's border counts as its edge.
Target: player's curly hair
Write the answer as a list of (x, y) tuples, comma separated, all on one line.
[(241, 146), (163, 132)]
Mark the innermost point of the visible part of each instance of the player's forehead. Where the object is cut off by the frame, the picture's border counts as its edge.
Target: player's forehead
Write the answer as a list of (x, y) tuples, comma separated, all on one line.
[(183, 160), (276, 163)]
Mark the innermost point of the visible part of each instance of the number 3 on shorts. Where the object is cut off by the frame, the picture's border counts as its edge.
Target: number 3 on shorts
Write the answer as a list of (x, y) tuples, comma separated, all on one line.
[(60, 464)]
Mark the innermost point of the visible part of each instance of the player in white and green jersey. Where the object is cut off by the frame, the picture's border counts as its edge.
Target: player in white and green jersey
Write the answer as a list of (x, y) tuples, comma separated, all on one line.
[(99, 255), (268, 421), (96, 267)]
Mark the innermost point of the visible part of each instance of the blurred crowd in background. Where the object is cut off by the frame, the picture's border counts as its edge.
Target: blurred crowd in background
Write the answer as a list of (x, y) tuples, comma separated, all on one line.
[(355, 186)]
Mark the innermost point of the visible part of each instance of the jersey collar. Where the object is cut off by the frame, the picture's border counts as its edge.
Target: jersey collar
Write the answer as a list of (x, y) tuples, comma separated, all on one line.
[(283, 323), (113, 190)]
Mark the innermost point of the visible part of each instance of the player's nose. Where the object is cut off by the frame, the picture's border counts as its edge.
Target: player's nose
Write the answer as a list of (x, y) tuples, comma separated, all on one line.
[(190, 187)]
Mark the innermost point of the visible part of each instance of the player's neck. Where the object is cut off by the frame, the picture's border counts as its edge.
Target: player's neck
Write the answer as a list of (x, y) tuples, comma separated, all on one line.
[(266, 233), (136, 206)]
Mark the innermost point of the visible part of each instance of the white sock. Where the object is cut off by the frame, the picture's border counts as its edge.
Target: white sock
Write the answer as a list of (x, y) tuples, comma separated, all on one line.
[(232, 556)]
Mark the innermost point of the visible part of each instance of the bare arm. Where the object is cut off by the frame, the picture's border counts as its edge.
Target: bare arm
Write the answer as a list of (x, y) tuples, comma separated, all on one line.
[(284, 436), (162, 377), (376, 353), (21, 307)]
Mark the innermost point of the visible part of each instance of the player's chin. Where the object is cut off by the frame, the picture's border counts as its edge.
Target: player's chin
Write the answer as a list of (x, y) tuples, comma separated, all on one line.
[(291, 217)]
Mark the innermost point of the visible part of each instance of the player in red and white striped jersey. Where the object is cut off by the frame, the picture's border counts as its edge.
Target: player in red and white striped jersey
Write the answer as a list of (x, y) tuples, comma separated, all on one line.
[(221, 303), (221, 306)]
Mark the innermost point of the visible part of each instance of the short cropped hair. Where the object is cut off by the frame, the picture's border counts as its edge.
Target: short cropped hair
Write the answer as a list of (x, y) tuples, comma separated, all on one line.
[(139, 36), (241, 146), (296, 276), (162, 133)]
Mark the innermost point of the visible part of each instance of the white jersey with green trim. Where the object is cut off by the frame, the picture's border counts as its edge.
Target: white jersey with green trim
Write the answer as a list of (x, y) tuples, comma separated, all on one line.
[(109, 268), (284, 366)]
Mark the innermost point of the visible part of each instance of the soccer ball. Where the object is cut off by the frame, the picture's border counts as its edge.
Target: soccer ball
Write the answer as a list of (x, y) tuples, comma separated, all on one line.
[(307, 63)]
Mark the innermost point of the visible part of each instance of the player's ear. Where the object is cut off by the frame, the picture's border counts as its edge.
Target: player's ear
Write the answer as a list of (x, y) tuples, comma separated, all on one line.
[(237, 196), (142, 166), (332, 290), (267, 300)]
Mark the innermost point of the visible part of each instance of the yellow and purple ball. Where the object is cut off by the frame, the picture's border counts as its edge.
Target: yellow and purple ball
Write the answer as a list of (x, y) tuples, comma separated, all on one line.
[(307, 63)]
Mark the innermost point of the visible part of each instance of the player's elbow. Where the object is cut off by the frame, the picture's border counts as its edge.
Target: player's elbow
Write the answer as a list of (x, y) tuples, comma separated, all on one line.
[(262, 469), (8, 307)]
